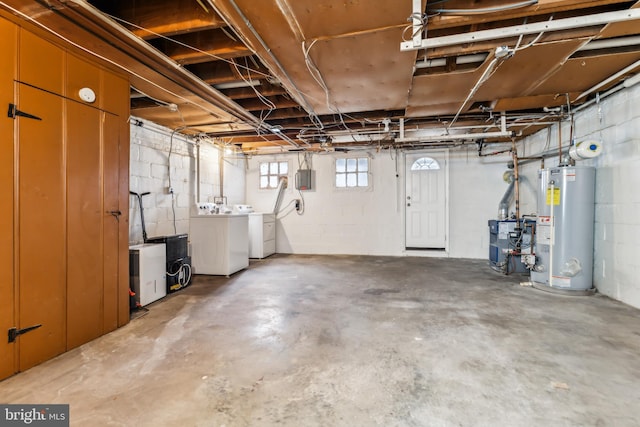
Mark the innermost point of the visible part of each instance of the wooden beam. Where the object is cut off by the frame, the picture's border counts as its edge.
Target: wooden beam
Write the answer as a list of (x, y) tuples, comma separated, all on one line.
[(265, 89), (167, 17), (257, 105), (201, 46), (218, 72)]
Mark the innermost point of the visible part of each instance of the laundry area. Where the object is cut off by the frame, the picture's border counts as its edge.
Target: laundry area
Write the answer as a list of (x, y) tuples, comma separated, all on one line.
[(278, 213)]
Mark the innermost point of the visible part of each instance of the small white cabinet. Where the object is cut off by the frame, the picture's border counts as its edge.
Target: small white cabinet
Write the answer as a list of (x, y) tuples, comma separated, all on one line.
[(262, 235), (219, 243)]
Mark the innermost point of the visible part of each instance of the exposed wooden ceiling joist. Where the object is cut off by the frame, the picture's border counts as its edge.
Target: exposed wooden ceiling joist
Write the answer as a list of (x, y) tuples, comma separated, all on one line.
[(168, 18), (210, 45), (328, 65)]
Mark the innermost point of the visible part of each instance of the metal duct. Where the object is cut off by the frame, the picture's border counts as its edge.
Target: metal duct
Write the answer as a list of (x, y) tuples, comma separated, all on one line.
[(505, 202), (282, 185)]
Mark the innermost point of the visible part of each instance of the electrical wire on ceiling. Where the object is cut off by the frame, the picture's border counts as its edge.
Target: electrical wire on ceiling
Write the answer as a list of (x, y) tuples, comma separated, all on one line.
[(317, 122), (232, 62), (500, 55), (266, 101), (318, 78), (416, 31), (195, 49), (484, 10), (486, 75)]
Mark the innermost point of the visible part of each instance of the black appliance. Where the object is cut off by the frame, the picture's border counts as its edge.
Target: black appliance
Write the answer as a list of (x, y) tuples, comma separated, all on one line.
[(178, 259)]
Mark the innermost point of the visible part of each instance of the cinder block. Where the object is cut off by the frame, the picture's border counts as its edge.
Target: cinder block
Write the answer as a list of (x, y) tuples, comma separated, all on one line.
[(159, 171), (151, 155), (139, 168)]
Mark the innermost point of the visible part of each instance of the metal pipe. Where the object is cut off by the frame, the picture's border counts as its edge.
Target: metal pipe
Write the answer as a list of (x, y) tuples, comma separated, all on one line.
[(282, 184), (474, 89), (462, 12), (631, 81), (197, 172), (459, 137), (559, 140), (610, 79), (505, 202), (516, 179), (221, 171), (552, 234), (610, 43), (525, 29)]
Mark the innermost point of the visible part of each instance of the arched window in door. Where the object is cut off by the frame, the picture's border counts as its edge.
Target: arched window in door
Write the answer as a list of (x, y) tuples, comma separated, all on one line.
[(425, 163)]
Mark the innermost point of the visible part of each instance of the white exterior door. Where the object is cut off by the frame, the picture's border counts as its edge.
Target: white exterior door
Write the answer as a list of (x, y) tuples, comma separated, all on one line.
[(425, 203)]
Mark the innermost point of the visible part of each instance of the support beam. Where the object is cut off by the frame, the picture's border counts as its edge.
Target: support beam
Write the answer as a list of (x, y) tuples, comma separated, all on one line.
[(211, 45), (526, 29), (167, 17), (218, 72)]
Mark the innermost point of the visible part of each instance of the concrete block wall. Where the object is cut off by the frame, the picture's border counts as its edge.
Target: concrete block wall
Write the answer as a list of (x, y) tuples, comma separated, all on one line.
[(371, 222), (149, 171), (616, 122)]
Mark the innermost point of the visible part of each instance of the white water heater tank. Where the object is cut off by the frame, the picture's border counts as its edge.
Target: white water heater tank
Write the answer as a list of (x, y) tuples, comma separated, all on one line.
[(564, 228)]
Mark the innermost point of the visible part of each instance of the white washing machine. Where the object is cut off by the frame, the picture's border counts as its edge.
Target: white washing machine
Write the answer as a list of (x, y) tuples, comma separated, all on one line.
[(219, 243)]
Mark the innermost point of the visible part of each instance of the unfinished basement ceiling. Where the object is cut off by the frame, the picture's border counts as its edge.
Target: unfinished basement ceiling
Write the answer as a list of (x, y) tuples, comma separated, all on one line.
[(317, 74)]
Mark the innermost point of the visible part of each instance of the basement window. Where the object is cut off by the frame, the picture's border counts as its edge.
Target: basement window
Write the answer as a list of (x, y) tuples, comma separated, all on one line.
[(425, 164), (352, 172), (271, 172)]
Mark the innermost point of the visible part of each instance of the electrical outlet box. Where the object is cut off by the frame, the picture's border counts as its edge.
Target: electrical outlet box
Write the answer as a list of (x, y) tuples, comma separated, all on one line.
[(304, 179)]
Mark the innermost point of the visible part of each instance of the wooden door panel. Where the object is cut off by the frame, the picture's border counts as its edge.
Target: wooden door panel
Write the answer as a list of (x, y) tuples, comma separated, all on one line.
[(9, 37), (82, 74), (41, 63), (111, 184), (85, 214), (41, 225)]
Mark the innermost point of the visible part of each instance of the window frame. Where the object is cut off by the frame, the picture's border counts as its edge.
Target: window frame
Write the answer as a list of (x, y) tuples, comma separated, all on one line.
[(346, 172), (269, 174), (429, 167)]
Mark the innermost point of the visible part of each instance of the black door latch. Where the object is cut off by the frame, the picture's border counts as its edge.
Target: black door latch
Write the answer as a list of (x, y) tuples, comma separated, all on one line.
[(14, 332), (14, 112)]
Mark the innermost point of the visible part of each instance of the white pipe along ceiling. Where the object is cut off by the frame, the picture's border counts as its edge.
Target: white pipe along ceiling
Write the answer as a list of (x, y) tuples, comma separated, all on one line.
[(280, 75)]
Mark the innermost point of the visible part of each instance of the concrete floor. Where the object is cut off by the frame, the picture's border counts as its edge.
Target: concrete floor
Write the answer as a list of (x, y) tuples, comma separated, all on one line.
[(354, 341)]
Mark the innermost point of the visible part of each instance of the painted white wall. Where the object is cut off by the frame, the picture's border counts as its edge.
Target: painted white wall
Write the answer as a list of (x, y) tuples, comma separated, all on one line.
[(476, 189), (371, 222), (149, 171), (616, 122)]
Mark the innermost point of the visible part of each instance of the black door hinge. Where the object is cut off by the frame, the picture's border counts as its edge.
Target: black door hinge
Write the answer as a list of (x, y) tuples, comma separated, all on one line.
[(14, 332), (14, 112)]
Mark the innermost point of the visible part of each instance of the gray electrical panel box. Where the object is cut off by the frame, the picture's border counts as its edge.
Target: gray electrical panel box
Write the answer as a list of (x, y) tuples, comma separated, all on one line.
[(304, 178)]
